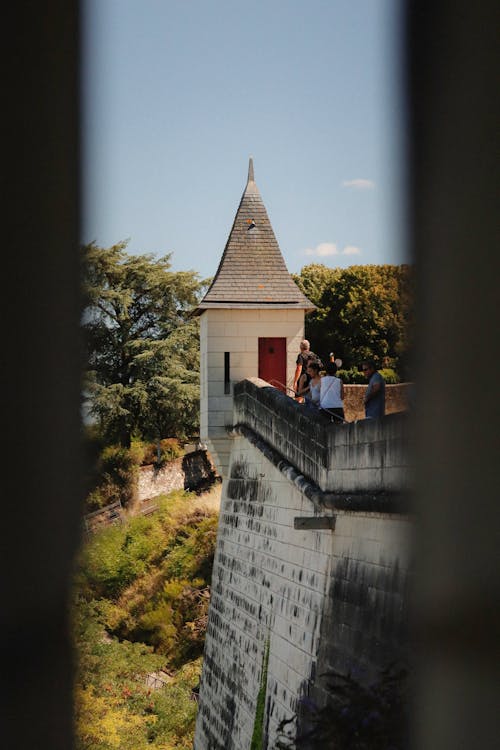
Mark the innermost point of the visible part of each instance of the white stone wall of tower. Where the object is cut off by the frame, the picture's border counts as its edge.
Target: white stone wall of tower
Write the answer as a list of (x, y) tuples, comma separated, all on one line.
[(237, 331)]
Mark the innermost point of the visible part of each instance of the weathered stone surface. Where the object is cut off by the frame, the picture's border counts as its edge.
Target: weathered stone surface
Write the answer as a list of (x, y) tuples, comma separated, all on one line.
[(189, 472), (398, 398), (365, 455), (323, 599)]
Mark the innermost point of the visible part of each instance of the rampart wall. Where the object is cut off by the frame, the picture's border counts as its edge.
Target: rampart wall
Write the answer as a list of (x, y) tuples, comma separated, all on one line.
[(367, 455), (312, 566)]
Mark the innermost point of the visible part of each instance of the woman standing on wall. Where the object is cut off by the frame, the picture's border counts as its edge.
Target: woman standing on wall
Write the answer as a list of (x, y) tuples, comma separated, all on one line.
[(311, 391), (332, 392)]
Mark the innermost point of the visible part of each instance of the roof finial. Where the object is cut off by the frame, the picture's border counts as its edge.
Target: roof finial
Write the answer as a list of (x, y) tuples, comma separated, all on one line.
[(250, 170)]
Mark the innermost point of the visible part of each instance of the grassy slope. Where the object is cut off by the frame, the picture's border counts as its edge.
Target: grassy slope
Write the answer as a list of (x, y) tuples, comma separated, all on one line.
[(140, 604)]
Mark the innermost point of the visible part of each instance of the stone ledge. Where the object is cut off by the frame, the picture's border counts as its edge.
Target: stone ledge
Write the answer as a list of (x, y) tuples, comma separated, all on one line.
[(374, 502)]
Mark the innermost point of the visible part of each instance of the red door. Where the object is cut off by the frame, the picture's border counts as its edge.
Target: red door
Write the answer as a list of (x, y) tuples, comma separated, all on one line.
[(272, 361)]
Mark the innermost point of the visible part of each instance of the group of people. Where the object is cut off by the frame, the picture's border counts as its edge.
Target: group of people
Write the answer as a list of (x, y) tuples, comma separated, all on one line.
[(326, 391)]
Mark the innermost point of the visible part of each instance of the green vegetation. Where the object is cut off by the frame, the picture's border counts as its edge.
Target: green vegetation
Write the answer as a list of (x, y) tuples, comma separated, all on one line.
[(140, 607), (258, 727), (356, 377), (141, 589), (142, 345), (113, 469), (363, 312)]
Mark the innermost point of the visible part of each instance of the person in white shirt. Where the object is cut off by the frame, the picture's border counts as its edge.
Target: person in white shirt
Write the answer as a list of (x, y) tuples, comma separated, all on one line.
[(332, 392)]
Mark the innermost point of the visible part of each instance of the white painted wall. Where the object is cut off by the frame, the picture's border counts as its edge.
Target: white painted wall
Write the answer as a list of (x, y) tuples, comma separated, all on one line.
[(237, 331)]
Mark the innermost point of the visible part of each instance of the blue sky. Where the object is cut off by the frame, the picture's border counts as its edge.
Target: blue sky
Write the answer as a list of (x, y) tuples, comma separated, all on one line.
[(178, 94)]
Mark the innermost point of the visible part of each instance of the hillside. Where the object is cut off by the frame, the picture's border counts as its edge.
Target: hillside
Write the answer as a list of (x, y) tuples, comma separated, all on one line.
[(140, 603)]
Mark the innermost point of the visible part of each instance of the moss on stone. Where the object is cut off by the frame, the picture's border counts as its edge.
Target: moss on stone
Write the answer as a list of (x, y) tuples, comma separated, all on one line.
[(257, 739)]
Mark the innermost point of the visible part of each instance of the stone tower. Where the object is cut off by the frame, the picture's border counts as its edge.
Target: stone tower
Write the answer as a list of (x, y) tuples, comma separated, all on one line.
[(252, 320)]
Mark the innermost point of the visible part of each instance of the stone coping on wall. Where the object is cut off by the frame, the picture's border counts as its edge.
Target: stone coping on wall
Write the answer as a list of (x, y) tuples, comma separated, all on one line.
[(369, 455), (375, 502)]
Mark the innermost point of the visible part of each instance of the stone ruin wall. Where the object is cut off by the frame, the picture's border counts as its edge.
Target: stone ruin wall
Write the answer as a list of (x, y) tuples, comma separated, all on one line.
[(192, 471)]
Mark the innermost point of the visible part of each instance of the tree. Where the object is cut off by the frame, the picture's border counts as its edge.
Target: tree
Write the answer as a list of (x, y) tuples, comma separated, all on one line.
[(142, 345), (363, 311)]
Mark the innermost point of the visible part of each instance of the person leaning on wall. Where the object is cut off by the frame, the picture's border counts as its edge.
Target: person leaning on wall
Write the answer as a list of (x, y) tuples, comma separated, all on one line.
[(311, 391), (332, 392), (374, 399)]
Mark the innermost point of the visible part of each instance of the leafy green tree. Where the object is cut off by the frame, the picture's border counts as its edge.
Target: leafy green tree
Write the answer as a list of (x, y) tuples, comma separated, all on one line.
[(363, 311), (142, 346)]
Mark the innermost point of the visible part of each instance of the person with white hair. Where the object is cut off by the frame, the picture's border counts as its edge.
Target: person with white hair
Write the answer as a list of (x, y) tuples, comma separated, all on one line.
[(301, 377)]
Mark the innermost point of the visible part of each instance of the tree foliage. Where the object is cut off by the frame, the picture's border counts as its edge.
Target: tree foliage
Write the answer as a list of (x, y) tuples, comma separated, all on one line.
[(142, 344), (363, 311)]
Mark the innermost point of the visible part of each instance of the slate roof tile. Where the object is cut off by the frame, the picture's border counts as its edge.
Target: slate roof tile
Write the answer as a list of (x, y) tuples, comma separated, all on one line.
[(252, 269)]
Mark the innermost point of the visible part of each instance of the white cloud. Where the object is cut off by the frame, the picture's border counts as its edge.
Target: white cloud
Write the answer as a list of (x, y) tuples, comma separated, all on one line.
[(359, 184), (323, 249)]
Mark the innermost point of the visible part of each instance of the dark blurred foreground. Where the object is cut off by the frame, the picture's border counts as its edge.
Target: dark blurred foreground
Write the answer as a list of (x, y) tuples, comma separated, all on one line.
[(452, 104)]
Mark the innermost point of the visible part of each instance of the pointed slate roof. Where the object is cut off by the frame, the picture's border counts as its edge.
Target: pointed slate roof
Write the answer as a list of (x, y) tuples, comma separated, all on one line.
[(252, 272)]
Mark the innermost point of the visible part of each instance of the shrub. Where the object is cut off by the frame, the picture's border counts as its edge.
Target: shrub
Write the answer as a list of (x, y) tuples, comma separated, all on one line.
[(117, 469), (170, 448), (191, 552), (113, 469), (107, 565), (94, 501), (390, 376), (353, 376), (140, 606)]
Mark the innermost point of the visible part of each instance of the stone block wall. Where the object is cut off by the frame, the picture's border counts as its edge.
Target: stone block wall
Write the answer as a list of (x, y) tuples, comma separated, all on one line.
[(318, 599), (364, 624), (397, 398), (188, 472), (268, 585), (365, 455)]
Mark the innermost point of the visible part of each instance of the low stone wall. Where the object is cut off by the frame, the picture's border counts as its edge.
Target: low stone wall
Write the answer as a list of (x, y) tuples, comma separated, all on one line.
[(190, 472), (397, 398)]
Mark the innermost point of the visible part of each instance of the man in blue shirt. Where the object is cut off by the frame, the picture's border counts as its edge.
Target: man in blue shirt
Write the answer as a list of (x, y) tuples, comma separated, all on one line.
[(375, 393)]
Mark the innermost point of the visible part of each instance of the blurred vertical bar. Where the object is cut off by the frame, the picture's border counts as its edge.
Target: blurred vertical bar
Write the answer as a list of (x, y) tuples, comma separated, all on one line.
[(452, 73), (452, 88), (41, 371)]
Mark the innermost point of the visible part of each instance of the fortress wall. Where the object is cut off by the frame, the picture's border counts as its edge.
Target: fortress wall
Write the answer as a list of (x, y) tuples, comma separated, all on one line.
[(318, 599), (365, 455), (268, 584), (364, 623)]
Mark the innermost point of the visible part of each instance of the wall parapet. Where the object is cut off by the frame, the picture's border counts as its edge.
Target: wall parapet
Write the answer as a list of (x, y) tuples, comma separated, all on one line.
[(366, 455), (383, 501)]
